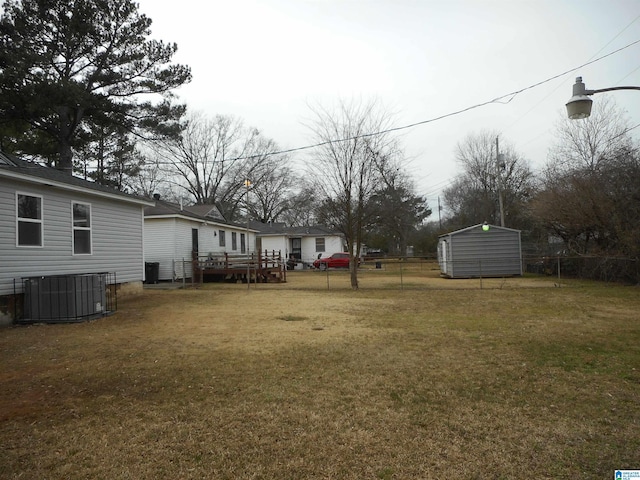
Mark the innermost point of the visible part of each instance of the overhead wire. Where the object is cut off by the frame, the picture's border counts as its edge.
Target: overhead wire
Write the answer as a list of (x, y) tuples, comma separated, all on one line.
[(562, 83), (510, 96), (500, 100)]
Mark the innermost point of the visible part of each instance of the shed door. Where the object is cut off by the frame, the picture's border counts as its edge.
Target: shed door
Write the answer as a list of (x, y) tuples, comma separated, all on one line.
[(444, 254)]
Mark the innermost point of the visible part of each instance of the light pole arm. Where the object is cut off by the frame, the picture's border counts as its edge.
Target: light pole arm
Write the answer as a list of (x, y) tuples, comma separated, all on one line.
[(579, 105), (600, 90)]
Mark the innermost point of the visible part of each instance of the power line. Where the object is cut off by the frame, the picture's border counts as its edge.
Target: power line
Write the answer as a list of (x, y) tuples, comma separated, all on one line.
[(561, 84), (510, 97), (499, 99)]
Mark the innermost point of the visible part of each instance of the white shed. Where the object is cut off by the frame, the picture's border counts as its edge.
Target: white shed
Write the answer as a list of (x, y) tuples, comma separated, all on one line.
[(480, 251)]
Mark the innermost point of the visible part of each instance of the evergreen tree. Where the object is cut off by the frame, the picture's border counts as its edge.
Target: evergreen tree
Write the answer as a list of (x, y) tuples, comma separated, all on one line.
[(69, 67)]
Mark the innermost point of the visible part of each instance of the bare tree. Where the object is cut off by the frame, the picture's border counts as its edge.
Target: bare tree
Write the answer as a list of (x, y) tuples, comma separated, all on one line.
[(152, 179), (302, 205), (260, 163), (349, 165), (271, 192), (590, 195), (201, 158), (591, 143), (213, 157), (475, 194)]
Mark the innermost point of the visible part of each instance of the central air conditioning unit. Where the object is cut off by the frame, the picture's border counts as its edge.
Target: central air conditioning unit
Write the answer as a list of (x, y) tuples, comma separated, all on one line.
[(65, 298)]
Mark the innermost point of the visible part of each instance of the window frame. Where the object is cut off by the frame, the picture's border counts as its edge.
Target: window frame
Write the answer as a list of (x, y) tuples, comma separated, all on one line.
[(324, 245), (234, 241), (39, 221), (222, 241), (75, 228)]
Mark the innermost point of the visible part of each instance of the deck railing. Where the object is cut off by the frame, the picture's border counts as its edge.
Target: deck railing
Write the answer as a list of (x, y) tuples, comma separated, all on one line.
[(257, 264)]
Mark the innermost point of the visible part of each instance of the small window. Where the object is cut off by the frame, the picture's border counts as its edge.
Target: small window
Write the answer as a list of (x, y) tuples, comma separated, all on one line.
[(234, 241), (221, 238), (320, 244), (243, 247), (81, 228), (29, 220)]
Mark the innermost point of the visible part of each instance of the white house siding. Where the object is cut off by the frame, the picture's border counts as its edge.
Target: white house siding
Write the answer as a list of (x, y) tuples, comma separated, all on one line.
[(116, 235), (282, 243), (183, 248), (168, 241), (159, 245), (332, 244), (208, 241), (277, 243)]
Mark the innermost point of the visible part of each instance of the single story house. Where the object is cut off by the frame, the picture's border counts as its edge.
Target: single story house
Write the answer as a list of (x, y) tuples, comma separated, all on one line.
[(59, 232), (302, 245), (172, 232), (480, 251)]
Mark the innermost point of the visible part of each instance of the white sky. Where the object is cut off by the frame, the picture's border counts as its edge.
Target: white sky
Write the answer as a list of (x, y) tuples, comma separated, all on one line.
[(265, 61)]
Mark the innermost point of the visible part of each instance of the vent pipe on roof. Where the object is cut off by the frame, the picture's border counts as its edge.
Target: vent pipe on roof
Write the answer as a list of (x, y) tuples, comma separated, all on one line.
[(180, 204), (156, 196)]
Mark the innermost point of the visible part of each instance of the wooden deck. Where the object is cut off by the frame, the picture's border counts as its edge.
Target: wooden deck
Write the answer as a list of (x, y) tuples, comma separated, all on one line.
[(261, 267)]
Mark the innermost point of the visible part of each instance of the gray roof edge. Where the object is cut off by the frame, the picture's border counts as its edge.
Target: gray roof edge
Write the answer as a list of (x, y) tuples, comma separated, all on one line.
[(20, 170), (476, 226)]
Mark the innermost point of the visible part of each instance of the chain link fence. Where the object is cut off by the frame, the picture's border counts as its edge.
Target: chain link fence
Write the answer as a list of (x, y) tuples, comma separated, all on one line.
[(419, 273)]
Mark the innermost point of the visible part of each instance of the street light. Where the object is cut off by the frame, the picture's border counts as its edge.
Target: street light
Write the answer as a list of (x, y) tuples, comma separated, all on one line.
[(579, 106)]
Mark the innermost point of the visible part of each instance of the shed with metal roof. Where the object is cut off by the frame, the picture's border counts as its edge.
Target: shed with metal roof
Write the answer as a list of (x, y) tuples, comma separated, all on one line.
[(480, 251)]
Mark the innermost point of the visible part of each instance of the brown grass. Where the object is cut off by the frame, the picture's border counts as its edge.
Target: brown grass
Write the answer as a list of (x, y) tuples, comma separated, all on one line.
[(440, 380)]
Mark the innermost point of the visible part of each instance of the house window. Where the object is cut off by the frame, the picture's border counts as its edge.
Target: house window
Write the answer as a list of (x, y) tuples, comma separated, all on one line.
[(221, 238), (243, 247), (29, 220), (320, 244), (81, 228), (234, 241)]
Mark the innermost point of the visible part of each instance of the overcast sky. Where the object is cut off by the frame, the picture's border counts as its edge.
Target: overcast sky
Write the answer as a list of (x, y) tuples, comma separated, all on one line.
[(265, 61)]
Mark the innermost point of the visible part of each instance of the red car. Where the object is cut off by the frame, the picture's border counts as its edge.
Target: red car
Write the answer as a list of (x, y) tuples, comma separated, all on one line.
[(337, 260)]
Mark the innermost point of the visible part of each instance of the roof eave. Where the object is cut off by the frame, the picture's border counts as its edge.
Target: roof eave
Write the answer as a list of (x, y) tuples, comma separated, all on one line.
[(167, 216), (75, 188)]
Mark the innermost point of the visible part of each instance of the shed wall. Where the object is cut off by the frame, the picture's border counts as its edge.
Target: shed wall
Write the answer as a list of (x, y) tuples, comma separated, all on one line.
[(475, 253)]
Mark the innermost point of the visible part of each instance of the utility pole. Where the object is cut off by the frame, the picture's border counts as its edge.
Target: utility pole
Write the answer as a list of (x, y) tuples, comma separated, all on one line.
[(499, 182), (247, 183), (439, 213)]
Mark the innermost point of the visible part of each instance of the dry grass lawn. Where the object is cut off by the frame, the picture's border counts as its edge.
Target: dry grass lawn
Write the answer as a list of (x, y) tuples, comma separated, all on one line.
[(439, 380)]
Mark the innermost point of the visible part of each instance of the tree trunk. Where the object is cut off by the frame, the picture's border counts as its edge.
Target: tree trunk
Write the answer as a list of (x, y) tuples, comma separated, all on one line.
[(65, 158), (353, 269), (65, 154)]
